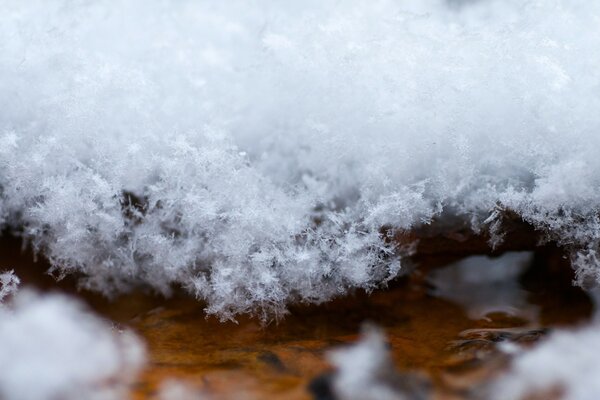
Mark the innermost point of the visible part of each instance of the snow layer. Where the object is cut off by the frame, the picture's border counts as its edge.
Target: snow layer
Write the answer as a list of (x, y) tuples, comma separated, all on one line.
[(52, 348), (566, 365), (250, 151)]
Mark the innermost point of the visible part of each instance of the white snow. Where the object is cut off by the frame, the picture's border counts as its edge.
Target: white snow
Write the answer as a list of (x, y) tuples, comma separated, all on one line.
[(365, 370), (52, 348), (9, 283), (566, 364), (251, 151)]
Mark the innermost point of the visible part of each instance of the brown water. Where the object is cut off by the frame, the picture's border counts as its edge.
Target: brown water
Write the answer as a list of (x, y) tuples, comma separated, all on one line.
[(429, 335)]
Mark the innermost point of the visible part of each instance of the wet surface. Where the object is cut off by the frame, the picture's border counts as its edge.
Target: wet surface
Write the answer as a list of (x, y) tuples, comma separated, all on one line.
[(432, 332)]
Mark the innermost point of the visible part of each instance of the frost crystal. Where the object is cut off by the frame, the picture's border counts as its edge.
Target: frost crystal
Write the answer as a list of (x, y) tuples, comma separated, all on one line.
[(251, 152), (9, 283)]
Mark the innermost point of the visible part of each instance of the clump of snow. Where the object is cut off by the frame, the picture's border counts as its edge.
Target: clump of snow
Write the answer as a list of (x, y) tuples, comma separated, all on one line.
[(364, 368), (9, 282), (366, 371), (565, 364), (52, 348), (251, 152)]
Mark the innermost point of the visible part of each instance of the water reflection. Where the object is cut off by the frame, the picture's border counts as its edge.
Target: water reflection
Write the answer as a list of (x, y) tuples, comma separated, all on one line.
[(485, 285)]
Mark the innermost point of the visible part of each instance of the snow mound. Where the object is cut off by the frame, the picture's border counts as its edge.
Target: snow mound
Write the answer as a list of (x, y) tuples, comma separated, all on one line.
[(251, 152)]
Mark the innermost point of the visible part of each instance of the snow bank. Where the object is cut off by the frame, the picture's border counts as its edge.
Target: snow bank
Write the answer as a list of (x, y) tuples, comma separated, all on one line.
[(251, 151), (51, 348)]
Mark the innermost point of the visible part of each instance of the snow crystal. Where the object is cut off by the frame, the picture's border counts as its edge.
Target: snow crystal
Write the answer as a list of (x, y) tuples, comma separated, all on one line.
[(565, 364), (54, 349), (251, 152), (9, 283)]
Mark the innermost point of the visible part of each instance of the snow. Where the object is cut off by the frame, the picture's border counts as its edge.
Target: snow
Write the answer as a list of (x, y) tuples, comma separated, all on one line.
[(566, 363), (9, 284), (250, 152), (53, 348), (365, 370)]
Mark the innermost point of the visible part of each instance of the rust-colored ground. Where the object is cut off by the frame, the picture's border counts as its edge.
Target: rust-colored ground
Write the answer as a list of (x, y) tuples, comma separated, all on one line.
[(428, 335)]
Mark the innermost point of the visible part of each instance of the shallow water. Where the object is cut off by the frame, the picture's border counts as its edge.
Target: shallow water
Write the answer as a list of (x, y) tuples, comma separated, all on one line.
[(432, 331)]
